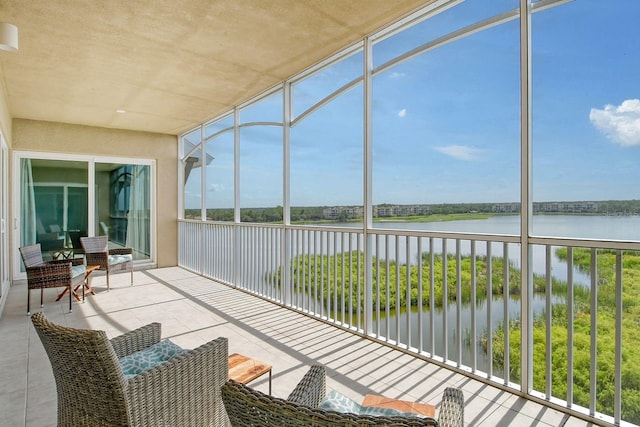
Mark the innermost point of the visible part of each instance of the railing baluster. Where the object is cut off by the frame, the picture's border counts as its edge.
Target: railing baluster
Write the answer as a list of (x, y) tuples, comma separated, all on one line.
[(377, 306), (342, 268), (323, 243), (432, 298), (445, 302), (398, 296), (359, 314), (350, 293), (408, 290), (420, 313), (570, 303), (458, 304), (617, 404), (474, 357), (489, 304), (305, 272), (594, 331), (548, 320), (387, 286), (505, 296)]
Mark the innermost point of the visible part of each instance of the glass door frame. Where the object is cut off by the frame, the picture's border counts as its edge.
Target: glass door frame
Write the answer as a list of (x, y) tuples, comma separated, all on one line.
[(4, 215), (91, 195)]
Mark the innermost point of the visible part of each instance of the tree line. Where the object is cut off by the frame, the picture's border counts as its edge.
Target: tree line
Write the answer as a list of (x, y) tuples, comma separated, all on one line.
[(316, 213)]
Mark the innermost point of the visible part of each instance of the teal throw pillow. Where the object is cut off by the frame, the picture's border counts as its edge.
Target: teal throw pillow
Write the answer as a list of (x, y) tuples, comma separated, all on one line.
[(335, 401), (375, 411), (140, 361)]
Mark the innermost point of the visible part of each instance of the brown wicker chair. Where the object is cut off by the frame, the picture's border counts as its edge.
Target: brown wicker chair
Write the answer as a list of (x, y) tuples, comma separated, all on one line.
[(51, 274), (247, 407), (97, 252), (92, 390)]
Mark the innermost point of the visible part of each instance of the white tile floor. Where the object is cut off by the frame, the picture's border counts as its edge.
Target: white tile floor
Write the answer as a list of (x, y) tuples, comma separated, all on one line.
[(193, 310)]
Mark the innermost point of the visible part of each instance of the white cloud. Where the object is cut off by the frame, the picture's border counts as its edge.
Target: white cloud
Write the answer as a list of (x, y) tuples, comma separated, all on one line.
[(395, 75), (620, 124), (460, 152), (216, 188), (402, 112)]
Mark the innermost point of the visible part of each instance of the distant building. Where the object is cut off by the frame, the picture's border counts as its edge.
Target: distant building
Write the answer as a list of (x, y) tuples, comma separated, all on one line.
[(551, 207), (351, 212)]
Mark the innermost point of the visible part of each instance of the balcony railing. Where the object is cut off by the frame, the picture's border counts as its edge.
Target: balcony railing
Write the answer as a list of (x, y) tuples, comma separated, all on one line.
[(459, 300)]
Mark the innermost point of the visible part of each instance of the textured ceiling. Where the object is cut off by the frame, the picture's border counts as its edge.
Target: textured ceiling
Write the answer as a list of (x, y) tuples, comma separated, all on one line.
[(170, 64)]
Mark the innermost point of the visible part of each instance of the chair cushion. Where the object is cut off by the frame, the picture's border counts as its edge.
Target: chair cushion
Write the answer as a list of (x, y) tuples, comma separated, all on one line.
[(119, 259), (135, 363), (336, 401), (376, 411), (78, 270)]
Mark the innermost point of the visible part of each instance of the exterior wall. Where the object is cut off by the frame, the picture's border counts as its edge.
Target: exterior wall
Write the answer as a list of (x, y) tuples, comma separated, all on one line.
[(5, 117), (31, 135)]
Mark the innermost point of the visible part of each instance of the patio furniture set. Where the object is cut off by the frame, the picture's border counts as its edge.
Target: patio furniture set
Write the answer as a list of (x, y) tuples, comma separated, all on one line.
[(137, 379), (71, 272)]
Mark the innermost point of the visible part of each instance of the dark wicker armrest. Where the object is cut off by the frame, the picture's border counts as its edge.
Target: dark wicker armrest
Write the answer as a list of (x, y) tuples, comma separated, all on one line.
[(312, 387), (121, 251), (136, 340), (49, 273), (452, 408), (184, 390)]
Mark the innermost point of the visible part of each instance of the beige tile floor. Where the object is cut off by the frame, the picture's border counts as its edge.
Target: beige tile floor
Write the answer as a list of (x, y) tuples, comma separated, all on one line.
[(193, 310)]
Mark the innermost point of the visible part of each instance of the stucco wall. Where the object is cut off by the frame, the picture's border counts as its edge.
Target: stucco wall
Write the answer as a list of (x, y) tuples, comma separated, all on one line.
[(32, 135), (5, 117)]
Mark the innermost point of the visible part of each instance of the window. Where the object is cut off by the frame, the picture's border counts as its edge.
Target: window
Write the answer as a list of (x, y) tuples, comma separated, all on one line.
[(261, 161), (327, 145), (446, 129), (219, 155)]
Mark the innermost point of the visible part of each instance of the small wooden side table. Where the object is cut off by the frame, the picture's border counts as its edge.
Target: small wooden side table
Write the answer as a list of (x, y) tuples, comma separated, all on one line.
[(400, 405), (245, 369), (88, 271)]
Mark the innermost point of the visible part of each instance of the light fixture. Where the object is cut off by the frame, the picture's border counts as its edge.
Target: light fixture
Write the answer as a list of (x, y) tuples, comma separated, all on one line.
[(121, 111), (8, 37)]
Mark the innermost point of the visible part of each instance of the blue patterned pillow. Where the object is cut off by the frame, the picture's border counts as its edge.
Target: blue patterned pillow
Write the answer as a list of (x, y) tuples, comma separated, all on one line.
[(335, 401), (140, 361), (387, 412)]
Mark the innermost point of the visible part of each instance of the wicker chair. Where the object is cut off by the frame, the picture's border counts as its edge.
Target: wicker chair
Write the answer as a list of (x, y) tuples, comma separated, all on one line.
[(247, 407), (51, 274), (97, 252), (92, 390)]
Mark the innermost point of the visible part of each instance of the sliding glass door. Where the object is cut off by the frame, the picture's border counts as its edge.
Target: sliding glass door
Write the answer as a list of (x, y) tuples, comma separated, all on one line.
[(53, 204), (123, 208), (57, 201)]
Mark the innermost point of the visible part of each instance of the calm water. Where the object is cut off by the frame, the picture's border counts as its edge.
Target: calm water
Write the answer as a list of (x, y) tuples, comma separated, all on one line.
[(573, 226), (625, 228)]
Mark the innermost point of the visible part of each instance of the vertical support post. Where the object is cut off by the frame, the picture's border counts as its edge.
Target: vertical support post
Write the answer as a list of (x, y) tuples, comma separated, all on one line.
[(236, 197), (367, 186), (526, 204)]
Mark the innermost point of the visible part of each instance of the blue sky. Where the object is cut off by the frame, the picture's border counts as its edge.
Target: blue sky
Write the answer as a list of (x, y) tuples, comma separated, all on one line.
[(446, 124)]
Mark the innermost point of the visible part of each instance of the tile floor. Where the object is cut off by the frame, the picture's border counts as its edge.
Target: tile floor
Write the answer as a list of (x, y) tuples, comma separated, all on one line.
[(193, 310)]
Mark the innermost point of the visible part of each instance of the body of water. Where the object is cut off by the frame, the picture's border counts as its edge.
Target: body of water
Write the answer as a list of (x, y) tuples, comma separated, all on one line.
[(407, 324)]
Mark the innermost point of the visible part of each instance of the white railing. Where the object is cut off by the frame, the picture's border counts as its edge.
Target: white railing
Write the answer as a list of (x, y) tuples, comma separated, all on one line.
[(454, 299)]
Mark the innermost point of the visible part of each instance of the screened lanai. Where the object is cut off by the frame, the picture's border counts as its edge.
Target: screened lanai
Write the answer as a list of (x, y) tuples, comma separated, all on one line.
[(452, 180), (426, 187)]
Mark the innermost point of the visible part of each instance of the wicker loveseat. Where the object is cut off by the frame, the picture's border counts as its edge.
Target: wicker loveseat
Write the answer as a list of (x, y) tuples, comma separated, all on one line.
[(93, 391), (247, 407)]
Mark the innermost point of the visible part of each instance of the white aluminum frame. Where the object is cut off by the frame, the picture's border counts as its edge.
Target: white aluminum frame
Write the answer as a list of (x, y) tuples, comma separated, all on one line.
[(91, 224)]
